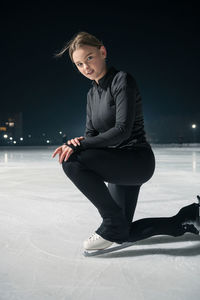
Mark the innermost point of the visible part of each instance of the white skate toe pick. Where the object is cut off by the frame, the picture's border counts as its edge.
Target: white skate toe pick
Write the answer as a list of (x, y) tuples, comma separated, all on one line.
[(96, 242)]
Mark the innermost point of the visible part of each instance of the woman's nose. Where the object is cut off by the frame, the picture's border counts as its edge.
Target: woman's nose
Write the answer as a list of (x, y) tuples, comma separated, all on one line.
[(86, 68)]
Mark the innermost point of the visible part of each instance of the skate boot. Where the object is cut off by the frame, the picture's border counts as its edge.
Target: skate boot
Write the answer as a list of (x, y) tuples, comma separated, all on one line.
[(195, 217), (190, 228), (192, 214), (96, 242)]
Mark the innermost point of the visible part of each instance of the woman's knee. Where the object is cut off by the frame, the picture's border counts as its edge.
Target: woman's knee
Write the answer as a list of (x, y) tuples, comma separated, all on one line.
[(70, 168)]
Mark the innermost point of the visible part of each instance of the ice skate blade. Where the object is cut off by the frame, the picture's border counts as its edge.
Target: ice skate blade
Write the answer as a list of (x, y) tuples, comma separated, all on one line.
[(107, 250)]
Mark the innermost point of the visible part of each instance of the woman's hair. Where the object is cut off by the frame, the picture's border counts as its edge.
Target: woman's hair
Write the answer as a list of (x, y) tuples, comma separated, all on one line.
[(78, 40)]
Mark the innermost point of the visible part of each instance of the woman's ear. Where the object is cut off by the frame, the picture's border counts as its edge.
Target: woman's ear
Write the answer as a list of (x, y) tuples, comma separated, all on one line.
[(103, 51)]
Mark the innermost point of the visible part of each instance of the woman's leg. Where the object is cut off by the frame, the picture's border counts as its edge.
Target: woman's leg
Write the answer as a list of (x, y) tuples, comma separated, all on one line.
[(125, 172), (173, 226), (126, 197), (89, 169), (93, 187), (147, 227)]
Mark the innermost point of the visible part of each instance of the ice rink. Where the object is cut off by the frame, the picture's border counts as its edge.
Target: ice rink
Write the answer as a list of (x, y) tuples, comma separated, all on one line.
[(44, 220)]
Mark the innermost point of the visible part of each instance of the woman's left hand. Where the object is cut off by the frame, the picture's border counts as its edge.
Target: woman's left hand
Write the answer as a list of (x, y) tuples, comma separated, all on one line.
[(75, 141)]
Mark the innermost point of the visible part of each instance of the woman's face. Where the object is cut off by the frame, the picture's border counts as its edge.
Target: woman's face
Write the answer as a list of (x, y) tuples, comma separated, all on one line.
[(90, 59)]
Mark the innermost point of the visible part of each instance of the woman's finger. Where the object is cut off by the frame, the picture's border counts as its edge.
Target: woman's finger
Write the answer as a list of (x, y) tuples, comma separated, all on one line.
[(68, 154), (60, 153), (77, 141), (63, 147), (62, 156), (55, 152), (73, 141), (64, 153)]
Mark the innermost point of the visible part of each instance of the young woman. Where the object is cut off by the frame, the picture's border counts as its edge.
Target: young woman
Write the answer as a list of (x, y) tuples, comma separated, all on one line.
[(114, 149)]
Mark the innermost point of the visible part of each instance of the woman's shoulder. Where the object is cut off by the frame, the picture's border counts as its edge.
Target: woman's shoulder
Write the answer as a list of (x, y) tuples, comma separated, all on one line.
[(123, 78)]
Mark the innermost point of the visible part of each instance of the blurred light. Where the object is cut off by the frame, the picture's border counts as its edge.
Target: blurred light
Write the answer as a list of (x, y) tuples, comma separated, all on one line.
[(14, 142), (6, 157), (5, 136), (29, 135), (44, 134), (11, 138), (194, 125), (194, 161), (21, 138), (60, 132), (48, 141)]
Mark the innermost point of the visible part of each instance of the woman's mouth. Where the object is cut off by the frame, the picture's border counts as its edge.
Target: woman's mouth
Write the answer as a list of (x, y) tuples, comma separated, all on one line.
[(89, 73)]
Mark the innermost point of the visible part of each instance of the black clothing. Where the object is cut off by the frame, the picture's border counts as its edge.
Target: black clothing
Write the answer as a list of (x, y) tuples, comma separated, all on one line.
[(117, 152), (114, 113), (125, 170)]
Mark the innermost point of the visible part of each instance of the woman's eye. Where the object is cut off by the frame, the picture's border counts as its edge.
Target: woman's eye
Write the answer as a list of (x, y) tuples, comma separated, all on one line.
[(89, 57)]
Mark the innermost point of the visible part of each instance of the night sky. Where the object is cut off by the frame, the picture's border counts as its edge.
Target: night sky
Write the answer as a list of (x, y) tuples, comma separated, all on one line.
[(157, 42)]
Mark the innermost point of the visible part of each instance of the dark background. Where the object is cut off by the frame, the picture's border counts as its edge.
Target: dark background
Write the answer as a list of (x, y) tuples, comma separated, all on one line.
[(157, 42)]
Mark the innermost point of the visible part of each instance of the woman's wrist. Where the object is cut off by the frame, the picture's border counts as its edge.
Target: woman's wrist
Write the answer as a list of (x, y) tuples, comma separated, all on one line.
[(75, 148)]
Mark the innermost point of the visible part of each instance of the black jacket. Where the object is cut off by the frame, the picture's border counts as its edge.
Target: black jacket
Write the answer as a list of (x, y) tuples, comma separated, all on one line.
[(114, 113)]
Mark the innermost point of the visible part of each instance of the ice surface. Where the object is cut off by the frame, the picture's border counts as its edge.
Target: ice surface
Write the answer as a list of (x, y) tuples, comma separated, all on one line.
[(44, 219)]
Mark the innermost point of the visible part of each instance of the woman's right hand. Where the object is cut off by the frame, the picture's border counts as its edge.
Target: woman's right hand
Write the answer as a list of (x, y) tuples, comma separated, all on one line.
[(63, 151)]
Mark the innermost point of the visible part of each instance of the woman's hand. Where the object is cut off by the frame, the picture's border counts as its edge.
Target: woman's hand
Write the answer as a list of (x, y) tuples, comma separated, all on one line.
[(75, 141), (64, 151)]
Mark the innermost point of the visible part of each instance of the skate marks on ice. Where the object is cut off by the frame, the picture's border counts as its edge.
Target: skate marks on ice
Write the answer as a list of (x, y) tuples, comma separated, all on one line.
[(18, 234), (186, 245)]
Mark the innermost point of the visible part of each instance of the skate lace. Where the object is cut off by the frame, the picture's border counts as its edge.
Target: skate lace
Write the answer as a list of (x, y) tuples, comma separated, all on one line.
[(94, 236)]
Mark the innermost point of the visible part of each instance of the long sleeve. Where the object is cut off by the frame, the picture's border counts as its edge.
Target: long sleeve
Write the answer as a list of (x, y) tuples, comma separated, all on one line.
[(89, 129), (125, 90)]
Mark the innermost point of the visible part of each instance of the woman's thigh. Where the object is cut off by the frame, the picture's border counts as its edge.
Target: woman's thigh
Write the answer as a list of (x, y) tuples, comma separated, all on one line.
[(119, 166)]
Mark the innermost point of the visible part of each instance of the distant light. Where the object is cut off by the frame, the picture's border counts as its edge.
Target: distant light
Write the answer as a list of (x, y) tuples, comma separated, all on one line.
[(48, 141), (11, 124), (5, 136), (44, 134), (11, 138), (60, 132), (14, 142), (29, 135), (194, 125), (21, 138)]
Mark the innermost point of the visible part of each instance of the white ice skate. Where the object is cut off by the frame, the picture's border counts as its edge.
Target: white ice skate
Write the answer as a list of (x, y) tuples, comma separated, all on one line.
[(96, 242)]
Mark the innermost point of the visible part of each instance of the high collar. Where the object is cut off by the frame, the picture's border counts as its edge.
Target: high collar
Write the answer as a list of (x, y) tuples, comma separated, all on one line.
[(105, 80)]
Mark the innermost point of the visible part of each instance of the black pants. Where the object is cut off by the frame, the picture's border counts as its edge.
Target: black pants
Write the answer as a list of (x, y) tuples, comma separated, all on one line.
[(125, 171)]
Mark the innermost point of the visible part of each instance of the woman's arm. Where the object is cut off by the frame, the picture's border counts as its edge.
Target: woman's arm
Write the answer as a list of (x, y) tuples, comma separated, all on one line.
[(125, 100), (89, 129)]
